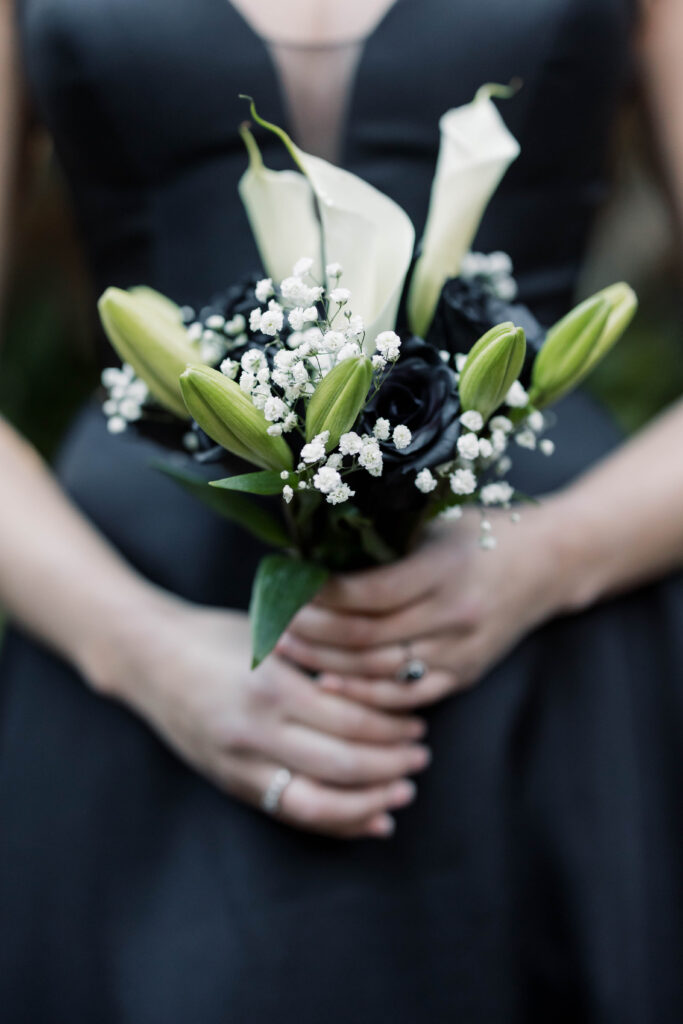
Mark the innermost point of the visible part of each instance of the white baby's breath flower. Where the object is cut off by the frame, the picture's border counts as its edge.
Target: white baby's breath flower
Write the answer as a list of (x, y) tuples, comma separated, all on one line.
[(485, 448), (275, 430), (547, 446), (334, 460), (536, 421), (497, 494), (255, 319), (275, 409), (263, 289), (297, 293), (472, 420), (314, 451), (526, 438), (460, 361), (326, 479), (116, 424), (350, 443), (488, 542), (236, 325), (370, 457), (289, 422), (215, 322), (212, 347), (284, 475), (388, 344), (302, 266), (190, 441), (382, 429), (333, 341), (296, 318), (247, 382), (355, 326), (287, 493), (499, 442), (340, 494), (340, 295), (348, 351), (517, 398), (229, 368), (504, 465), (454, 512), (468, 446), (401, 436), (195, 331), (334, 270), (425, 481), (284, 358), (463, 481), (130, 409), (378, 362), (260, 396), (263, 375), (272, 321), (501, 423), (253, 360)]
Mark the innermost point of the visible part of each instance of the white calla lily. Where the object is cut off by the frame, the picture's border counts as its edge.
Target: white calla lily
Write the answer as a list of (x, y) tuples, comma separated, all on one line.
[(350, 223), (476, 149)]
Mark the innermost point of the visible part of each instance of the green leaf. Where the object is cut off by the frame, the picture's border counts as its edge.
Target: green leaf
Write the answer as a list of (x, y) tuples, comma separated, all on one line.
[(267, 482), (282, 586), (372, 543), (258, 521)]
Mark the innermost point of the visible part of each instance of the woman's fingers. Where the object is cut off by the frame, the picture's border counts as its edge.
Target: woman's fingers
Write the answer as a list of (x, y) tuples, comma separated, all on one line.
[(320, 625), (374, 661), (340, 716), (349, 813), (341, 762), (381, 590), (316, 807), (390, 694)]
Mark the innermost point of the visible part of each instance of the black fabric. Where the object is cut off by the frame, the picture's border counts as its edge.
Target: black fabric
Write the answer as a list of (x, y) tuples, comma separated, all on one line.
[(538, 875)]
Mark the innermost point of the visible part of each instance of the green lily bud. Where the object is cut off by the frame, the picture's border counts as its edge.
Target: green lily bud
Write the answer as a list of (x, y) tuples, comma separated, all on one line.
[(338, 399), (228, 416), (493, 365), (145, 334), (156, 301), (579, 341)]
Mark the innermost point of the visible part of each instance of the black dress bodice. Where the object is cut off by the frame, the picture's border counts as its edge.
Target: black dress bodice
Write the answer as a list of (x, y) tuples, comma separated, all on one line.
[(142, 99)]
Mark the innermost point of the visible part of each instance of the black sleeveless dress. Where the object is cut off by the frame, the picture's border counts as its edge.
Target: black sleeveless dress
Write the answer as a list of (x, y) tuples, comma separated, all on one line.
[(538, 877)]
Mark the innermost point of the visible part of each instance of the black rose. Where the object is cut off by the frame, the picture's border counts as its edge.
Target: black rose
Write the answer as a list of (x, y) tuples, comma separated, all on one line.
[(467, 308), (421, 393)]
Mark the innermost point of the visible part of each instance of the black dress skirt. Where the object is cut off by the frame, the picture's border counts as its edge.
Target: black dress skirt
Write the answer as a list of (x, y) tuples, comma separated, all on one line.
[(539, 875)]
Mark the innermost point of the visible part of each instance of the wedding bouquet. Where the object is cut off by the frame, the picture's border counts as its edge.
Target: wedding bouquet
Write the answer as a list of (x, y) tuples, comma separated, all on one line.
[(361, 389)]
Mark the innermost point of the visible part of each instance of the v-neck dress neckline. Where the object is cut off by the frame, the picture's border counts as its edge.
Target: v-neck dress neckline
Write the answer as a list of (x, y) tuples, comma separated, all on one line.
[(343, 62)]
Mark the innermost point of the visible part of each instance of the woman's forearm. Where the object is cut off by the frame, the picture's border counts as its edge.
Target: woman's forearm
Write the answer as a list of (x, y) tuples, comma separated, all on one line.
[(59, 578), (621, 524)]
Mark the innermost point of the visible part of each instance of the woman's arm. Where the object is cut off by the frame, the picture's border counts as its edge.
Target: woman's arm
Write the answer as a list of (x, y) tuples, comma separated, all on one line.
[(183, 668)]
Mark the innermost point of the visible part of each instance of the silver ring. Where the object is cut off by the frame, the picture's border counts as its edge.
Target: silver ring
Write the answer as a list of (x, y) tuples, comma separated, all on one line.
[(270, 801), (412, 670)]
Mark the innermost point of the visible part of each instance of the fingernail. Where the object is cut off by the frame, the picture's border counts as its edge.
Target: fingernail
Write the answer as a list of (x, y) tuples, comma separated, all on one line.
[(417, 729), (383, 826), (421, 757), (402, 792), (330, 683)]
